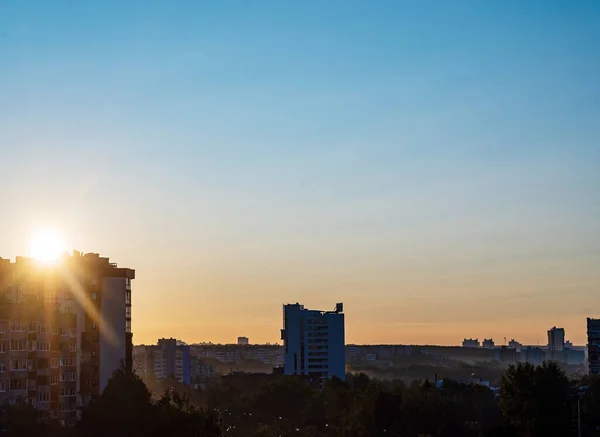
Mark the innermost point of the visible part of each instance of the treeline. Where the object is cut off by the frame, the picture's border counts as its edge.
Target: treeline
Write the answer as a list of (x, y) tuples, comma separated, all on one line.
[(532, 402)]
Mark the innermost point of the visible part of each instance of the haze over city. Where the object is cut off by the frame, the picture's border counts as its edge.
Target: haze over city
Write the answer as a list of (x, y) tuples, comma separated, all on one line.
[(434, 168)]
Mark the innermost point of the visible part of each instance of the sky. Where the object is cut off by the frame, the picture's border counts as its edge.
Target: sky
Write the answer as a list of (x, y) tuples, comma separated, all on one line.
[(435, 165)]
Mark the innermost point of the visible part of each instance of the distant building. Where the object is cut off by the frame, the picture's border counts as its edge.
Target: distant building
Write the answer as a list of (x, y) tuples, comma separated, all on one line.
[(243, 341), (470, 342), (313, 342), (488, 343), (533, 355), (593, 333), (167, 359), (556, 341), (371, 357), (514, 344), (201, 370), (568, 345), (506, 354)]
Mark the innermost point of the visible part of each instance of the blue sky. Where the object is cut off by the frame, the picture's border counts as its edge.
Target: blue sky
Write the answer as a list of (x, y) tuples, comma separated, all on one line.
[(241, 155)]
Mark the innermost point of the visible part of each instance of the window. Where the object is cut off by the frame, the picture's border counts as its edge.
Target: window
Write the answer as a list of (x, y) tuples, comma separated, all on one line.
[(67, 391), (63, 331), (32, 326), (43, 345), (53, 379), (18, 345), (32, 345), (68, 310), (2, 327), (54, 362), (128, 297), (94, 295), (16, 326), (128, 312), (2, 386), (72, 347), (18, 365), (44, 396), (43, 329), (2, 347), (67, 362), (127, 325), (2, 367), (68, 376)]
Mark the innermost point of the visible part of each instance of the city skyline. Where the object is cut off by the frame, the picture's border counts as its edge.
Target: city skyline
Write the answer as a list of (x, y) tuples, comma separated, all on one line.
[(434, 168)]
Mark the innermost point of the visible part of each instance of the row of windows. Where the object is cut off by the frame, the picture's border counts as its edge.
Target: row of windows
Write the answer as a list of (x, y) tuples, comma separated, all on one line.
[(42, 363), (67, 391), (17, 326), (68, 376), (32, 345)]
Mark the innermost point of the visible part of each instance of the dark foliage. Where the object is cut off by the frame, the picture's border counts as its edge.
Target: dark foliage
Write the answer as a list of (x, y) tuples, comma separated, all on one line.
[(533, 401)]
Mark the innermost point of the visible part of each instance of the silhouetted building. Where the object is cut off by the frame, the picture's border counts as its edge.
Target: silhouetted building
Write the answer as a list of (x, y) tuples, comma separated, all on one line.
[(593, 334), (556, 341), (242, 341), (313, 342), (533, 355), (506, 354), (470, 342), (64, 330), (488, 343), (167, 359), (514, 344)]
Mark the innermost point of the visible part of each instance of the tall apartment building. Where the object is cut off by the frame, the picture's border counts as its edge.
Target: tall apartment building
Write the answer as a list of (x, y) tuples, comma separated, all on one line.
[(593, 334), (167, 359), (64, 329), (313, 342), (556, 342)]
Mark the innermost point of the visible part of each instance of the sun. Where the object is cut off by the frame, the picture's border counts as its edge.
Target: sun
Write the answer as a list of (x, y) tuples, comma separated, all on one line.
[(47, 247)]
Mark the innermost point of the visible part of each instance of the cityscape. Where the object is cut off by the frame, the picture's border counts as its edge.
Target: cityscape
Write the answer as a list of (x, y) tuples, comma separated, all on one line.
[(66, 328), (300, 218)]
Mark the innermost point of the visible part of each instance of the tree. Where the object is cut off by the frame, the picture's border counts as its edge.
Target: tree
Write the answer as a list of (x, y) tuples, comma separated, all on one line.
[(123, 409), (535, 400)]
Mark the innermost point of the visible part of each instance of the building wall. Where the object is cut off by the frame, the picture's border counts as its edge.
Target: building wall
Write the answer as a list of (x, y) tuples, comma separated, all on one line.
[(314, 343), (113, 341), (593, 332), (337, 349), (52, 313)]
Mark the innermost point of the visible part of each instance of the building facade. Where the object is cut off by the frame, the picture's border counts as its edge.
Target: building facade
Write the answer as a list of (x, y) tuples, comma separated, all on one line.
[(593, 335), (167, 359), (314, 343), (64, 330), (488, 343), (556, 341), (242, 341), (470, 342)]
